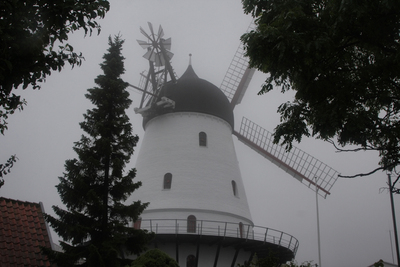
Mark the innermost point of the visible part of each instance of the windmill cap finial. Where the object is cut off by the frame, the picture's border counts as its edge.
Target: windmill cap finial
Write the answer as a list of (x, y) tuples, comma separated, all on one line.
[(190, 59)]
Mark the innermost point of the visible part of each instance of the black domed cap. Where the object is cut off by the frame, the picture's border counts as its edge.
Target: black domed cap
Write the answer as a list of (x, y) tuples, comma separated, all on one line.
[(192, 94)]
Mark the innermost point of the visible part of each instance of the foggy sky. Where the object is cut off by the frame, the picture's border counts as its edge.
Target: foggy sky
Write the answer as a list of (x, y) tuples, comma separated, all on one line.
[(355, 220)]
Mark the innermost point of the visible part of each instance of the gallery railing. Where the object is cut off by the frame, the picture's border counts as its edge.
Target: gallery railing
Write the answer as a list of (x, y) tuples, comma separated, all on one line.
[(218, 228)]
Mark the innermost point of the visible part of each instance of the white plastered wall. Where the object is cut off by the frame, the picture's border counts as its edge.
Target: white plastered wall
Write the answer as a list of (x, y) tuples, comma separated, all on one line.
[(201, 176)]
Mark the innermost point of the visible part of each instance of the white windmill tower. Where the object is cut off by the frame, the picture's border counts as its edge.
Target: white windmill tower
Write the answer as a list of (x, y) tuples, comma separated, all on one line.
[(189, 170)]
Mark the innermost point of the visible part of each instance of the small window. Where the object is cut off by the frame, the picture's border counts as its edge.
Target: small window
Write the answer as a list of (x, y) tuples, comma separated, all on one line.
[(191, 224), (191, 261), (167, 180), (234, 188), (241, 230), (202, 139), (137, 223)]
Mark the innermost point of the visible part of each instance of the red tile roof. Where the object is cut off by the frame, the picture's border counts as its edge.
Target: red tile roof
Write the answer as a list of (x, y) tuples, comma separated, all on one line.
[(22, 232)]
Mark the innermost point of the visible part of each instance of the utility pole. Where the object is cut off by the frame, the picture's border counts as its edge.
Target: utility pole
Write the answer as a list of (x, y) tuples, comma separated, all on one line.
[(394, 217), (318, 232)]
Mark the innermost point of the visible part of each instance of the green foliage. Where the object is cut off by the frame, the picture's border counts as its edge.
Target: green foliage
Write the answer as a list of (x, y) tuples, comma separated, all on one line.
[(5, 168), (304, 264), (379, 264), (33, 35), (154, 258), (343, 60), (95, 226), (271, 260), (29, 32)]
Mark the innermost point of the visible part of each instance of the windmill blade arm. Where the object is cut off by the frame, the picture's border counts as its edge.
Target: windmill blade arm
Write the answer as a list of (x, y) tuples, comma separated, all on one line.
[(238, 75), (144, 44), (166, 44), (144, 33), (296, 162), (277, 161), (160, 31), (151, 30), (242, 87), (234, 74), (140, 89)]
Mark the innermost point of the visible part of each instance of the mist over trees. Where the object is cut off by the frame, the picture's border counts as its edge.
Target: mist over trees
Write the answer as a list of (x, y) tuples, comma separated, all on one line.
[(342, 58), (97, 227)]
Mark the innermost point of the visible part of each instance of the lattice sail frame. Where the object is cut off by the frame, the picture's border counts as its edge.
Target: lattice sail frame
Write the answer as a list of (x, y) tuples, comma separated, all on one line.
[(308, 170), (146, 86), (238, 75)]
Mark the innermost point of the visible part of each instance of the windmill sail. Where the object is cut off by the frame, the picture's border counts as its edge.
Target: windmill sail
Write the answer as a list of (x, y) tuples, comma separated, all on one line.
[(302, 166), (238, 75)]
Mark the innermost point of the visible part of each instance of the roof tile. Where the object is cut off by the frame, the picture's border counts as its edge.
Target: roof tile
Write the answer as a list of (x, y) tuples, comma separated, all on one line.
[(22, 232)]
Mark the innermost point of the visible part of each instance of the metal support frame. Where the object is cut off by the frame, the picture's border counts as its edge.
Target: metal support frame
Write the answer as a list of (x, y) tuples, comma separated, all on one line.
[(217, 255), (176, 244), (235, 257), (198, 250)]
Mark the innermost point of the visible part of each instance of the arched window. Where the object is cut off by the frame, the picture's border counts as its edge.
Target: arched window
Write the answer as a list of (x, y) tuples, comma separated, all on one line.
[(234, 188), (137, 223), (191, 224), (241, 230), (191, 261), (167, 180), (202, 139)]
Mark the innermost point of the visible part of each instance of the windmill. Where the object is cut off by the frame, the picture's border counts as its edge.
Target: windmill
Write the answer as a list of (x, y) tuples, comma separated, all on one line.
[(307, 169), (188, 166)]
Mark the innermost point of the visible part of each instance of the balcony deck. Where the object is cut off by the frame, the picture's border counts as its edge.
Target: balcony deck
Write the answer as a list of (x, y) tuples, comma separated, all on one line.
[(256, 239)]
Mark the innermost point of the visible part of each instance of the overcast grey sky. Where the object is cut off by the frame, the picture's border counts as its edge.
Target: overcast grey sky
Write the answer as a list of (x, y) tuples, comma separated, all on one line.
[(355, 220)]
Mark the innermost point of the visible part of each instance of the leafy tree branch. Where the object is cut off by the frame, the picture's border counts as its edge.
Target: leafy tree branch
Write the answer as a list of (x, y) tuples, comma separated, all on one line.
[(5, 168), (34, 35), (342, 58)]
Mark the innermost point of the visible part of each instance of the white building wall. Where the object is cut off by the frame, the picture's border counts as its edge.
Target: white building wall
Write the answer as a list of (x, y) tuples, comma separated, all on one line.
[(201, 185), (201, 176), (207, 254)]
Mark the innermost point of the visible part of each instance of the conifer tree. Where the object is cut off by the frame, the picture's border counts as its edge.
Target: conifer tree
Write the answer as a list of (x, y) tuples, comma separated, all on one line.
[(94, 186)]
